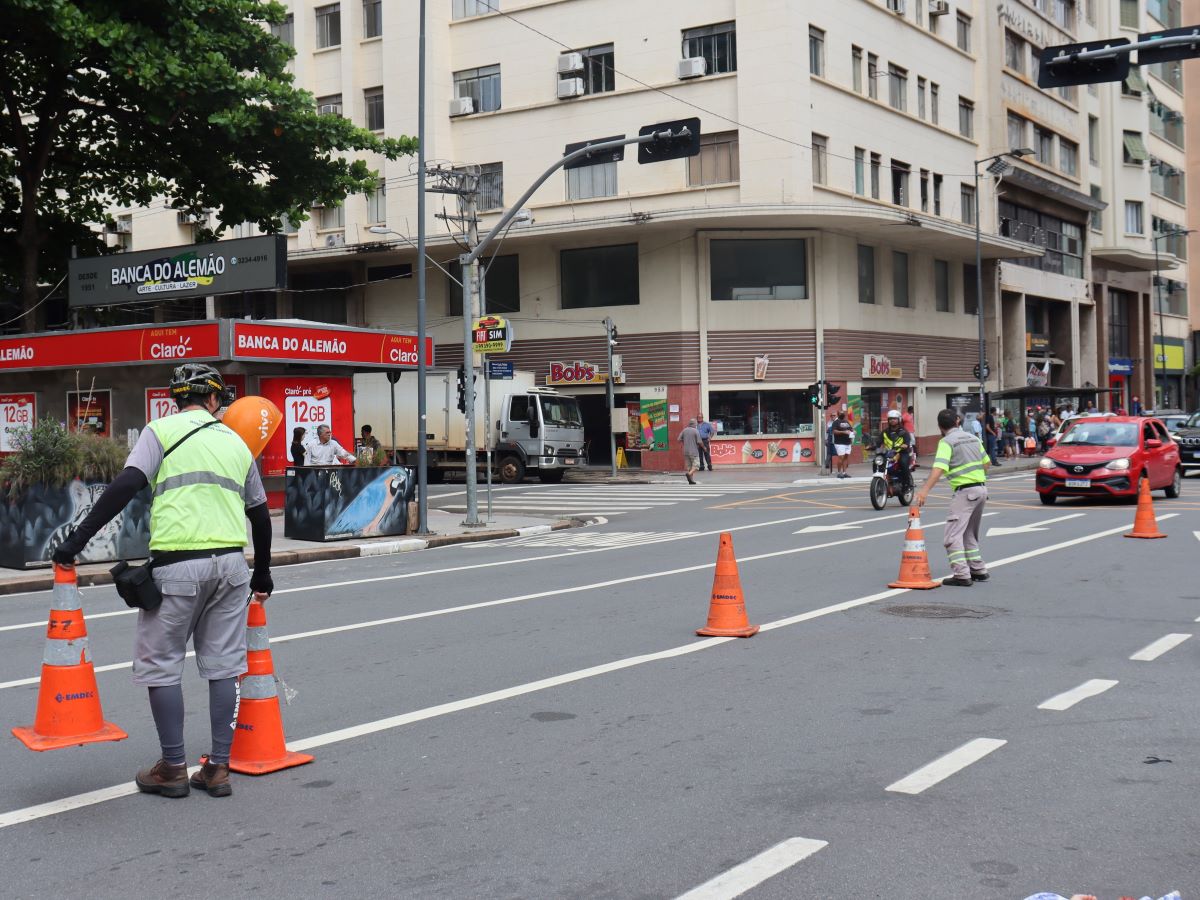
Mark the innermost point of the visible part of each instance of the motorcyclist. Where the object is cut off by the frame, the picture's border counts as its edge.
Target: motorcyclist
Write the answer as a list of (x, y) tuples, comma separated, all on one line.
[(899, 441)]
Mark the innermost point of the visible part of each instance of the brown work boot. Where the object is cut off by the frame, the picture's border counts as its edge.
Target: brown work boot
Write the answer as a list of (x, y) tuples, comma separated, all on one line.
[(163, 778), (214, 778)]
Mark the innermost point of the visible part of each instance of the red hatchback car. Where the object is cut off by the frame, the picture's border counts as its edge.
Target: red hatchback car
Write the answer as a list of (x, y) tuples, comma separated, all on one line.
[(1105, 457)]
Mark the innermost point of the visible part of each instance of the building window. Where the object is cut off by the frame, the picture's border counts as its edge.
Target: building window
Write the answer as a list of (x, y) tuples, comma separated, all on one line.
[(1097, 215), (963, 32), (770, 269), (1118, 323), (1168, 12), (491, 186), (966, 199), (1172, 296), (372, 18), (329, 25), (1016, 130), (373, 100), (716, 43), (966, 117), (330, 218), (1068, 92), (330, 106), (875, 161), (1133, 217), (464, 9), (970, 290), (599, 276), (1068, 156), (1129, 13), (1176, 243), (377, 205), (900, 175), (761, 412), (924, 190), (1134, 148), (866, 274), (872, 76), (1064, 14), (900, 279), (285, 30), (860, 165), (1062, 241), (1170, 73), (816, 51), (820, 158), (933, 102), (501, 285), (1043, 146), (897, 87), (1093, 140), (1167, 181), (1016, 51), (1166, 123), (920, 98), (856, 60), (937, 194), (941, 285), (482, 85), (717, 161), (586, 182), (598, 73)]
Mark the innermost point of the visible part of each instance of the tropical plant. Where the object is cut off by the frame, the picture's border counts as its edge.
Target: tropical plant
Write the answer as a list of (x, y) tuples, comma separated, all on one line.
[(48, 454)]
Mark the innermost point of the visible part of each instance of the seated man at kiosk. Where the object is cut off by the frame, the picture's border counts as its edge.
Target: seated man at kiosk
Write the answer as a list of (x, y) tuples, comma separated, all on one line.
[(325, 451)]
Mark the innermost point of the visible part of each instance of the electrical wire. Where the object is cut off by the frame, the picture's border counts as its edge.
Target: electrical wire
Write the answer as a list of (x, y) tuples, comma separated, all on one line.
[(49, 294)]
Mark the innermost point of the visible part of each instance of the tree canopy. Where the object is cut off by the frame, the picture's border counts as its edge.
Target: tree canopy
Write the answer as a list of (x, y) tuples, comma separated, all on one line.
[(128, 102)]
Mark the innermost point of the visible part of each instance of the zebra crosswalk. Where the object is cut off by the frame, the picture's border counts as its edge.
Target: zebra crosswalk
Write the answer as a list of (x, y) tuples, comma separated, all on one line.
[(593, 499)]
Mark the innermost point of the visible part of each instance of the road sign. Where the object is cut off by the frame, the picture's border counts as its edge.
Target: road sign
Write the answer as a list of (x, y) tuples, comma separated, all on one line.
[(987, 371), (613, 154), (1083, 71), (491, 334), (685, 141), (1181, 50), (500, 371)]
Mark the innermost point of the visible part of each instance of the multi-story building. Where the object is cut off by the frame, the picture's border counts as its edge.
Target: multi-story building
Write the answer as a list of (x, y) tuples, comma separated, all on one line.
[(826, 228)]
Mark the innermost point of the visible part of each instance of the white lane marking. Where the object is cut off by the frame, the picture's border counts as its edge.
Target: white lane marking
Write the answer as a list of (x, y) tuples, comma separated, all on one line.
[(756, 870), (1067, 699), (54, 807), (90, 617), (945, 766), (1197, 534), (1153, 651), (1000, 531), (1011, 477), (846, 526), (533, 529)]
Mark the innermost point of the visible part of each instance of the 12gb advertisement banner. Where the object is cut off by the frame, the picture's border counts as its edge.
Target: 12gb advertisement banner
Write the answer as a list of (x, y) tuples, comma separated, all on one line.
[(307, 402)]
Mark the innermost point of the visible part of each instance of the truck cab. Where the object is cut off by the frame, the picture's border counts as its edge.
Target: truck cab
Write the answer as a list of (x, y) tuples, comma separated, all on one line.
[(539, 430)]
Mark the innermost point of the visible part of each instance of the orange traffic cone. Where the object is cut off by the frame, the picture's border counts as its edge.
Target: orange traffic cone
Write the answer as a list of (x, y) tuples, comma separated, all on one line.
[(1145, 525), (727, 609), (914, 561), (258, 745), (68, 710)]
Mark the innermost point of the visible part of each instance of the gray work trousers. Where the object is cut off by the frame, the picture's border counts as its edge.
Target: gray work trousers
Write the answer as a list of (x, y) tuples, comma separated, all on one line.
[(962, 531)]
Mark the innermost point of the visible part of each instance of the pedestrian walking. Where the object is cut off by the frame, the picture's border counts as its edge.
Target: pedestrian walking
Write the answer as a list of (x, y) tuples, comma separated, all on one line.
[(1135, 408), (991, 435), (690, 439), (963, 459), (829, 448), (843, 440), (205, 487), (706, 430)]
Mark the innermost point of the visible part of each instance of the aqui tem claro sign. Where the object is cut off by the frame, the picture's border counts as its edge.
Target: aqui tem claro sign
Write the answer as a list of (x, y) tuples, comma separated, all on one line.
[(193, 270)]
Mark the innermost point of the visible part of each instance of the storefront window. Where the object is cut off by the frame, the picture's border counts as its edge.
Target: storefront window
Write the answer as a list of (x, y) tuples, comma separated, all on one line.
[(760, 412)]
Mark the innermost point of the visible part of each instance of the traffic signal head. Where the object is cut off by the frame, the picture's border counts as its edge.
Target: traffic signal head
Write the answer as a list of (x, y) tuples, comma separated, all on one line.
[(1068, 71), (833, 394), (814, 394), (684, 141)]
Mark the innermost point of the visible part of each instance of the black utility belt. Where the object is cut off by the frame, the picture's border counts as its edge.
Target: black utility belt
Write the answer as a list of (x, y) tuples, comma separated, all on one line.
[(136, 584), (963, 487), (161, 558)]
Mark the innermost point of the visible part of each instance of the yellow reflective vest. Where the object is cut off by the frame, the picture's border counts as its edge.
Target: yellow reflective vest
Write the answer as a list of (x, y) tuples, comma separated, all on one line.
[(962, 457)]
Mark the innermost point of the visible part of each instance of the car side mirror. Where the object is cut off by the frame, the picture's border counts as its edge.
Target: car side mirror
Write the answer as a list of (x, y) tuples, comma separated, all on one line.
[(1153, 443)]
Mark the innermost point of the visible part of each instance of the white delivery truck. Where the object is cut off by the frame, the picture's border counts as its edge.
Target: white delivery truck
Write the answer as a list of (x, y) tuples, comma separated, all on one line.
[(532, 430)]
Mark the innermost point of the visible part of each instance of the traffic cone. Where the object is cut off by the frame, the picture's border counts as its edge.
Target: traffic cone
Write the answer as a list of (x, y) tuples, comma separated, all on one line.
[(68, 710), (1145, 525), (914, 561), (727, 609), (258, 744)]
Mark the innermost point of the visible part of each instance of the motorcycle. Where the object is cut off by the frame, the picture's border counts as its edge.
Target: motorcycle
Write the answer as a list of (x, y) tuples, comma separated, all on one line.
[(886, 480)]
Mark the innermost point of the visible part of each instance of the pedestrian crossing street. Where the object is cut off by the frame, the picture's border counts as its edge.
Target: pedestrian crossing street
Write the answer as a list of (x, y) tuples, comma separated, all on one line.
[(593, 499)]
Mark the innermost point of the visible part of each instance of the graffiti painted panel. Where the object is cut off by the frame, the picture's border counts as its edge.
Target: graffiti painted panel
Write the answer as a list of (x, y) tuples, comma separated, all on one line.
[(325, 503)]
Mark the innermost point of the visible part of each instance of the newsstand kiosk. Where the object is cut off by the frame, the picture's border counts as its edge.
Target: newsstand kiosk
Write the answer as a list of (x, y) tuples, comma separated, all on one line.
[(113, 381)]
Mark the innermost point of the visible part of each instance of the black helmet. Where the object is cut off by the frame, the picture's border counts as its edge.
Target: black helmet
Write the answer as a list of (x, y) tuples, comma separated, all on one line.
[(197, 379)]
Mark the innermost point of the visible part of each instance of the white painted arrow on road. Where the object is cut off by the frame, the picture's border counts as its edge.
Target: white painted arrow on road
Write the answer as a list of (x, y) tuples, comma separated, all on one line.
[(847, 526), (999, 531)]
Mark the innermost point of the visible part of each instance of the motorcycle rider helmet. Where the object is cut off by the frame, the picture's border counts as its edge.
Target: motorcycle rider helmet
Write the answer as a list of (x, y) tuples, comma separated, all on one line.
[(893, 414)]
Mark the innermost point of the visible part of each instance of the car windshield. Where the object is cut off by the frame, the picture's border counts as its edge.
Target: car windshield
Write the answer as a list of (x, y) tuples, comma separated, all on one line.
[(1101, 434), (562, 411), (1194, 421)]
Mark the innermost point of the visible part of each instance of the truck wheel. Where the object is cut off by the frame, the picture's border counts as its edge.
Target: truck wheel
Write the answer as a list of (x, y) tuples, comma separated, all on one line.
[(512, 470), (434, 476), (551, 476)]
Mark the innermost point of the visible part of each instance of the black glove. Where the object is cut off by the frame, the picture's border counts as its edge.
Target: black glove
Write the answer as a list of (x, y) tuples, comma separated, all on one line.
[(261, 583), (66, 552)]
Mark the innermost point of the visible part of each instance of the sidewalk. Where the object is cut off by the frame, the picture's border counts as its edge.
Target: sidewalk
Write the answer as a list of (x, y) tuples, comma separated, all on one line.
[(446, 528)]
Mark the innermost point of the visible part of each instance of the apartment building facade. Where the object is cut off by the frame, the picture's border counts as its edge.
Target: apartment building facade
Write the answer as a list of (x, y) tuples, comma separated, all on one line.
[(827, 226)]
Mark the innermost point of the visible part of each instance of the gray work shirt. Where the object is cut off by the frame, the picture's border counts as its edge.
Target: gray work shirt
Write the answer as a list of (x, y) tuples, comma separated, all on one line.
[(690, 438), (147, 456)]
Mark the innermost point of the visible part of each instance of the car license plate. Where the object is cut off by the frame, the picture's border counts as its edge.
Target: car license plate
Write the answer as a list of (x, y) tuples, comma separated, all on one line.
[(1078, 482), (568, 461)]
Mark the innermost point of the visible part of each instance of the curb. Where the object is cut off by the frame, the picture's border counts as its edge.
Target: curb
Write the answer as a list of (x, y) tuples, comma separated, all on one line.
[(43, 580)]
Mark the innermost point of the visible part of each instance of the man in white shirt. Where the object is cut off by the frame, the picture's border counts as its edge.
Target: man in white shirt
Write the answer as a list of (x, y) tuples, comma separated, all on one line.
[(325, 451)]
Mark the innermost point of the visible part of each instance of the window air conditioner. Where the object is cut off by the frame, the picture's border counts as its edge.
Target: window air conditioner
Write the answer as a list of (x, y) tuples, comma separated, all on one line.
[(570, 62), (335, 240), (187, 218), (462, 106), (939, 7), (692, 67), (124, 226), (570, 87)]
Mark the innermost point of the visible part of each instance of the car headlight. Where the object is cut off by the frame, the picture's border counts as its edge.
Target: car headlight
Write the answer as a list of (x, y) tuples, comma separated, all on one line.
[(1047, 463), (1118, 465)]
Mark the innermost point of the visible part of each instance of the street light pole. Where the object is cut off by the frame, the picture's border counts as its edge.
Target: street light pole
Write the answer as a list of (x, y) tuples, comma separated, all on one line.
[(979, 295), (1160, 355), (422, 361)]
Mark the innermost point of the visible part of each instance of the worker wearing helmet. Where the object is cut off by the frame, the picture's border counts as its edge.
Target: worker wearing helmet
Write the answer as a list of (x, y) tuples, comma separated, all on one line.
[(899, 440), (205, 486)]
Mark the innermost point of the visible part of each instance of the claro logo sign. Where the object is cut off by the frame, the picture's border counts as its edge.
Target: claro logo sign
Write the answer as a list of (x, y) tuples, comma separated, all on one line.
[(172, 348), (574, 373)]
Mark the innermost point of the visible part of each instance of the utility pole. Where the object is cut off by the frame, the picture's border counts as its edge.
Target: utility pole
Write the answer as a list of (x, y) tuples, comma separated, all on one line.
[(422, 361), (610, 338), (469, 262)]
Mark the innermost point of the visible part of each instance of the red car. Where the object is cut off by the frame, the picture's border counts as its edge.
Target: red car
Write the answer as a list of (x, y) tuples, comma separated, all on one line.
[(1105, 457)]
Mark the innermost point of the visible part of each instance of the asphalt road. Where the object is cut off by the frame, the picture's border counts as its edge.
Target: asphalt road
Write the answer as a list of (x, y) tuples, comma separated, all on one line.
[(536, 718)]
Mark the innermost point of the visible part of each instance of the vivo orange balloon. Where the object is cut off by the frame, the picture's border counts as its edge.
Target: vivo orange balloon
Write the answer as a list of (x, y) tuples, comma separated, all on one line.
[(255, 420)]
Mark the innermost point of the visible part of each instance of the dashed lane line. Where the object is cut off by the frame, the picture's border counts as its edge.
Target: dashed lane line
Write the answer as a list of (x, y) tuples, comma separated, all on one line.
[(945, 766), (1153, 651), (755, 870), (1067, 699)]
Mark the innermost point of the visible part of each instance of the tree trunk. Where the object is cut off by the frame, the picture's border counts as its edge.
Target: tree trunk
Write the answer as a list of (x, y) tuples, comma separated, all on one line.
[(30, 316)]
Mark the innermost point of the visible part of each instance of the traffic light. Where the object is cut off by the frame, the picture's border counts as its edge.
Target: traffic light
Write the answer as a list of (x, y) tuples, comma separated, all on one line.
[(684, 141), (462, 389), (833, 394), (814, 394), (1070, 71)]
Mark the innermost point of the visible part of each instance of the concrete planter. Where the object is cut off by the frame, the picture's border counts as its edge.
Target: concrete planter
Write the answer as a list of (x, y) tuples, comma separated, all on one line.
[(33, 525)]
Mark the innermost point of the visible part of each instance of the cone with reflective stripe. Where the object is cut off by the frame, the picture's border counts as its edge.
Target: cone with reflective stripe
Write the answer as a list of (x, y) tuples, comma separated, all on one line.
[(258, 743), (1145, 525), (727, 609), (914, 561), (68, 710)]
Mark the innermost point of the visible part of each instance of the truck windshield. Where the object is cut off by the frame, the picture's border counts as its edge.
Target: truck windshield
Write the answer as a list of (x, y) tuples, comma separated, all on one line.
[(561, 411)]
